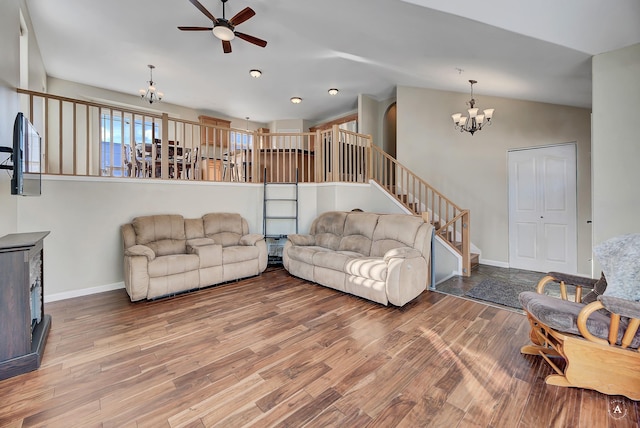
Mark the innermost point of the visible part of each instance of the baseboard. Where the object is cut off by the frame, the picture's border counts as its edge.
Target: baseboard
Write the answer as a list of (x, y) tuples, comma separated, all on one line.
[(82, 292), (451, 275), (493, 263)]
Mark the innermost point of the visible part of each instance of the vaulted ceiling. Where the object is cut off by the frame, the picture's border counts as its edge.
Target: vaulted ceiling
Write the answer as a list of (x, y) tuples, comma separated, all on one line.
[(538, 51)]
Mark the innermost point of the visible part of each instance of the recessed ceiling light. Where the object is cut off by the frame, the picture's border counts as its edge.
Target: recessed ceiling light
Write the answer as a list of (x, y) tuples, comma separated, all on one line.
[(333, 91), (255, 73), (296, 100)]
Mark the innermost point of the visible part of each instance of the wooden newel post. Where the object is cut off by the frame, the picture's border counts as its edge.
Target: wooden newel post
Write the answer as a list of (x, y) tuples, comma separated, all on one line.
[(466, 243)]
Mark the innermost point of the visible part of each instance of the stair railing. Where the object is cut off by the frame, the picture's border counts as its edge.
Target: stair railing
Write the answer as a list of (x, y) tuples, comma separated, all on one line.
[(452, 223)]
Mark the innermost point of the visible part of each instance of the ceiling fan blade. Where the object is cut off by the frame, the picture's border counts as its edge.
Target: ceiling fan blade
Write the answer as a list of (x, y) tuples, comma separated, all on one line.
[(204, 10), (251, 39), (195, 28), (226, 46), (242, 16)]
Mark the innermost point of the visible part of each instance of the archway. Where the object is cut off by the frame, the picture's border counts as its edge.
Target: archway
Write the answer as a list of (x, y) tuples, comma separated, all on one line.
[(389, 130)]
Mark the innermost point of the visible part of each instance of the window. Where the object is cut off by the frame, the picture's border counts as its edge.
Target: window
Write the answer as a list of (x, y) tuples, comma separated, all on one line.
[(115, 140), (240, 140)]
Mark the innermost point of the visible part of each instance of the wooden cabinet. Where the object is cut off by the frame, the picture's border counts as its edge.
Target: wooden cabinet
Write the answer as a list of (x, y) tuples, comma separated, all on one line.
[(215, 132), (23, 324), (214, 142)]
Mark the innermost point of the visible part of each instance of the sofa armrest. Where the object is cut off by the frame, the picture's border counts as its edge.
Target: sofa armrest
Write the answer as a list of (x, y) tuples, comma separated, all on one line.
[(251, 239), (199, 242), (402, 253), (302, 240), (209, 253), (140, 250)]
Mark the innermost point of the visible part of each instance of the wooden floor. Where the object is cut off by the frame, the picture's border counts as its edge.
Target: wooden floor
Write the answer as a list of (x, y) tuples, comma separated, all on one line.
[(278, 351)]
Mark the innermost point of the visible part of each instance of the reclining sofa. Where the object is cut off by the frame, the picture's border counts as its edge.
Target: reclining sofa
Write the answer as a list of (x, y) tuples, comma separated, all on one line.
[(168, 254), (380, 257)]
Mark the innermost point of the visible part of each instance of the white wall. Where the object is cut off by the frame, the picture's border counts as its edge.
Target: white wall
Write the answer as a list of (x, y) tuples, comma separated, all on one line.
[(368, 117), (9, 101), (84, 215), (472, 170), (616, 145)]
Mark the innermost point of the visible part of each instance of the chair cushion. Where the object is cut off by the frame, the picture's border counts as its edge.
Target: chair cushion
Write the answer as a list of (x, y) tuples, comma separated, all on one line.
[(562, 315), (620, 261)]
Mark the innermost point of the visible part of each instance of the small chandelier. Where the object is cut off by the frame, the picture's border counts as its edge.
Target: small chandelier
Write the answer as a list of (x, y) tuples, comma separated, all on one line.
[(151, 94), (476, 121)]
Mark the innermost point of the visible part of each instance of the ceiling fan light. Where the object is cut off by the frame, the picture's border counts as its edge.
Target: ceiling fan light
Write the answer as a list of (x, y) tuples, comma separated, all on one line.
[(296, 100), (223, 33), (255, 73), (333, 91)]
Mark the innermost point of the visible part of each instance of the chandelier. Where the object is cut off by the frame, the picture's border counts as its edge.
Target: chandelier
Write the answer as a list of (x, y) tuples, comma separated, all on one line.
[(151, 94), (475, 122)]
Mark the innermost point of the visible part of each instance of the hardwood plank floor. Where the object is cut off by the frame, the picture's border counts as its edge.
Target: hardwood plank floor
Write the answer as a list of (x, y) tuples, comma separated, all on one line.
[(278, 351)]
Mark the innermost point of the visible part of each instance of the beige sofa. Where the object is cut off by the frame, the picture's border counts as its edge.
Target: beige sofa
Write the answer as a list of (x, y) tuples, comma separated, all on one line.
[(168, 254), (380, 257)]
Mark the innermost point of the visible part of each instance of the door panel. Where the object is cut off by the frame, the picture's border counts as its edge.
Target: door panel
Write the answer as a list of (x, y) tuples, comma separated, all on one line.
[(542, 209)]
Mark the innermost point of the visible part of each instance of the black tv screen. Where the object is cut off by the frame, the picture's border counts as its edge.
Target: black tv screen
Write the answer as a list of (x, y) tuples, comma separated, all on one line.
[(27, 158)]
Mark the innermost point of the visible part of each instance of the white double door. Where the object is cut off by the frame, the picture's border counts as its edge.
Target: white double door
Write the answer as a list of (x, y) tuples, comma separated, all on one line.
[(542, 209)]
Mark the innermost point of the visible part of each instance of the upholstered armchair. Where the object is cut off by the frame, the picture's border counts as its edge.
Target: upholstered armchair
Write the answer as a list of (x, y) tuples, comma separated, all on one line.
[(593, 324)]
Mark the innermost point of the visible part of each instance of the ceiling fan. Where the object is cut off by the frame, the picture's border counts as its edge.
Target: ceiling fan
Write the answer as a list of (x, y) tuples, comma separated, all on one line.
[(224, 29)]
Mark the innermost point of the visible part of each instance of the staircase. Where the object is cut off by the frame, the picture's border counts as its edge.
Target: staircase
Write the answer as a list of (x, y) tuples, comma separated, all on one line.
[(452, 223)]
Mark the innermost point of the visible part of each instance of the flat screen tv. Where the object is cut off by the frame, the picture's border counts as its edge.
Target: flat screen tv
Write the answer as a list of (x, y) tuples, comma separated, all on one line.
[(27, 158)]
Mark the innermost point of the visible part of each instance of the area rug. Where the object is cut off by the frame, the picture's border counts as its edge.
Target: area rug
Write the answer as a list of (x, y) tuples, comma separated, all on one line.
[(500, 292)]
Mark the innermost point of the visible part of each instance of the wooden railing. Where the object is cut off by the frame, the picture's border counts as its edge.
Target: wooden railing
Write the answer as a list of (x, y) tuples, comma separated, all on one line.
[(84, 138), (452, 222)]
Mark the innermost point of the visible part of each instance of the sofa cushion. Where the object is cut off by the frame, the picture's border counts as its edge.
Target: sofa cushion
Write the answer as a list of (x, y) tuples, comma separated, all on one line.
[(237, 254), (225, 229), (193, 228), (329, 222), (173, 264), (374, 268), (164, 234), (393, 231), (358, 232), (328, 229), (335, 260)]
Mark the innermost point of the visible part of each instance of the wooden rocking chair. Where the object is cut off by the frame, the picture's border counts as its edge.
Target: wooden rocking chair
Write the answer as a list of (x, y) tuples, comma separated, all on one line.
[(596, 335)]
